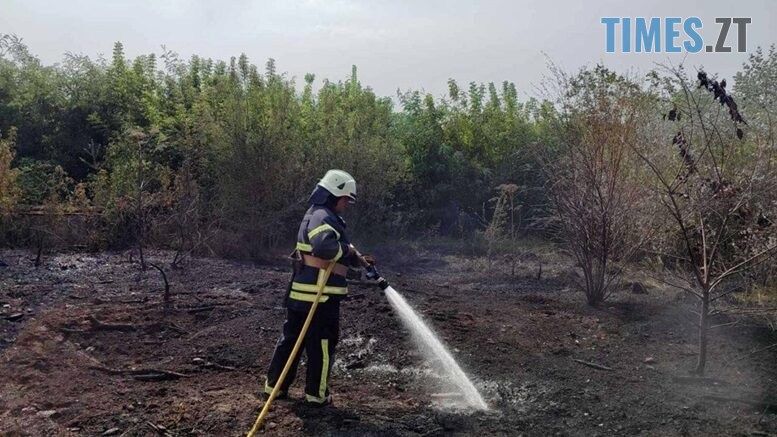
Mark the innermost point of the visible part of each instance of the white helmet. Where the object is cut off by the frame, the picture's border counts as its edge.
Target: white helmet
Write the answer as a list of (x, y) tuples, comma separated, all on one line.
[(339, 183)]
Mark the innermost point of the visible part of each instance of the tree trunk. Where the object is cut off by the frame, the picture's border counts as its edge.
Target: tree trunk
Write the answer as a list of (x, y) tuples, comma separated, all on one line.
[(142, 258), (512, 218), (140, 225), (703, 330), (38, 257)]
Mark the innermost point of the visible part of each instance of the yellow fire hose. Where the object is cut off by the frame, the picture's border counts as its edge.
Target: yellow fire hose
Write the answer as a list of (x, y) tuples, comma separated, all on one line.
[(300, 338)]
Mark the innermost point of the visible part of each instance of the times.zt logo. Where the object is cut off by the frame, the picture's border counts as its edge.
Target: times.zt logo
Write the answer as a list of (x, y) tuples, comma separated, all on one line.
[(671, 34)]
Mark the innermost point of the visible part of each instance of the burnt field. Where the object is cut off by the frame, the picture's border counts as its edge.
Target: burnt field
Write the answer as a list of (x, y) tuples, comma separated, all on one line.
[(87, 349)]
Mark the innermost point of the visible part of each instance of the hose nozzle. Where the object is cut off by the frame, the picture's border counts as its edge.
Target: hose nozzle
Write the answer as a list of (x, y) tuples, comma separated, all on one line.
[(373, 275)]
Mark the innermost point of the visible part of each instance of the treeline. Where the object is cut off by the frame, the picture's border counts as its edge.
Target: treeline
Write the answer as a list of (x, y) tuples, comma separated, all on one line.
[(219, 156), (174, 151)]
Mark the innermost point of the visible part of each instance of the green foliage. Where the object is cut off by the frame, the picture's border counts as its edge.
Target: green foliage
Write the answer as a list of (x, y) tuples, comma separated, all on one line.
[(756, 87), (254, 145), (41, 182), (466, 146), (9, 190)]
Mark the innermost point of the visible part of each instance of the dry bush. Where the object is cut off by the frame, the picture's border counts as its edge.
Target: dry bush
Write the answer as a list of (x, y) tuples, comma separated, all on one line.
[(595, 191), (185, 226), (502, 227)]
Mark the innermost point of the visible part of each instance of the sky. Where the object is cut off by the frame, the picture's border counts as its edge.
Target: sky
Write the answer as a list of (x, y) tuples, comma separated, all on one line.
[(407, 45)]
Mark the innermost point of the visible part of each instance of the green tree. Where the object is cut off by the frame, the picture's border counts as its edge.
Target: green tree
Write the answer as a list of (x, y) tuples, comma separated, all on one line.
[(9, 191)]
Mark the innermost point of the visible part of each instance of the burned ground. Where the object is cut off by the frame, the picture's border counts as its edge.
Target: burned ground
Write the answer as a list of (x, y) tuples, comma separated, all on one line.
[(86, 349)]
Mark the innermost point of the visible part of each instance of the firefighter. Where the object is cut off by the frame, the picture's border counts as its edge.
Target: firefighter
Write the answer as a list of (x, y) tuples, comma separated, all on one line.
[(321, 239)]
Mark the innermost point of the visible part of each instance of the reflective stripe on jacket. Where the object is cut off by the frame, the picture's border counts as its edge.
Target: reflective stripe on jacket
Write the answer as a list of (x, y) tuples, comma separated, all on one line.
[(321, 234)]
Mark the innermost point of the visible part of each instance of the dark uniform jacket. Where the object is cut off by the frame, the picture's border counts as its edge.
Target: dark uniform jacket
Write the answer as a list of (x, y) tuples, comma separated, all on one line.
[(321, 234)]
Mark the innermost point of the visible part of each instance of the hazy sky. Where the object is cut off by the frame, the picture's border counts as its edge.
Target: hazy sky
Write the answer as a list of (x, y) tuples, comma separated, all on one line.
[(395, 44)]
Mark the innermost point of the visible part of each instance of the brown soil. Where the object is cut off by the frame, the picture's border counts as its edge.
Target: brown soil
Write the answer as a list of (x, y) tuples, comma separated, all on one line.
[(84, 356)]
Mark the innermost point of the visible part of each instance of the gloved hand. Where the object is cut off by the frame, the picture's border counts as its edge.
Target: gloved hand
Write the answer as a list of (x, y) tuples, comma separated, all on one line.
[(364, 260)]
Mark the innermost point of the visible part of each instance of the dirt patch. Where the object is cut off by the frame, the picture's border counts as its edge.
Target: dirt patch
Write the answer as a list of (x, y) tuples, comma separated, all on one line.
[(92, 352)]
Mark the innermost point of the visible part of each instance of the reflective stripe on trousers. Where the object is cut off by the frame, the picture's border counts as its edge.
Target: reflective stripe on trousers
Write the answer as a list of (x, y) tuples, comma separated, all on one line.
[(320, 344)]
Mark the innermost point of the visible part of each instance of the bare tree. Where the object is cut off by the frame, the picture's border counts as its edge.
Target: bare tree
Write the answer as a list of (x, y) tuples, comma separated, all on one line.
[(709, 181), (166, 297), (186, 225), (149, 185)]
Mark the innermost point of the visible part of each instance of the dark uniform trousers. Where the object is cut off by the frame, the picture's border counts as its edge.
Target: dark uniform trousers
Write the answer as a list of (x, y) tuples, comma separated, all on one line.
[(319, 345)]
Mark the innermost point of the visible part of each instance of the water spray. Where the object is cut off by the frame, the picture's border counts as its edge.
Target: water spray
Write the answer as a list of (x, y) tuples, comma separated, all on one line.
[(429, 343)]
